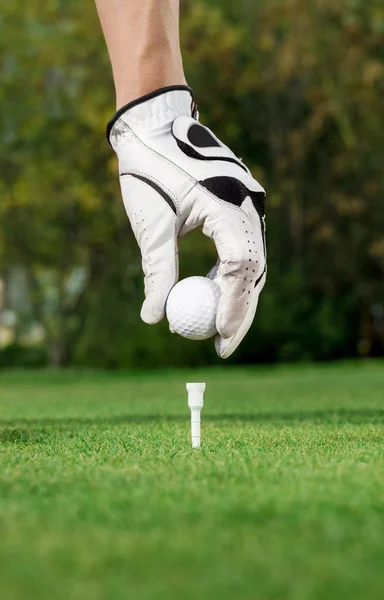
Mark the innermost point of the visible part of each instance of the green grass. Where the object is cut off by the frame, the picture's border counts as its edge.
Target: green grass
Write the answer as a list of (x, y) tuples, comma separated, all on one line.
[(101, 497)]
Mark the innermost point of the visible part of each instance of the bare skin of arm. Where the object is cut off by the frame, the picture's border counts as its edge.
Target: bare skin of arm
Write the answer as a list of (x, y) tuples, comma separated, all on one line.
[(142, 37)]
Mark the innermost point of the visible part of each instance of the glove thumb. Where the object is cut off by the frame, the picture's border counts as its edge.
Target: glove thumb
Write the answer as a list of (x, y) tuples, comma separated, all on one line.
[(153, 222)]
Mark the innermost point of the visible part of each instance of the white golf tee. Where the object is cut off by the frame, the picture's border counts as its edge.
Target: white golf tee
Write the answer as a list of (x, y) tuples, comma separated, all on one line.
[(195, 403)]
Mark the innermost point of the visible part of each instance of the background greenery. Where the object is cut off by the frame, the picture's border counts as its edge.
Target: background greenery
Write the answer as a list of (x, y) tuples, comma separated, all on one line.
[(294, 86)]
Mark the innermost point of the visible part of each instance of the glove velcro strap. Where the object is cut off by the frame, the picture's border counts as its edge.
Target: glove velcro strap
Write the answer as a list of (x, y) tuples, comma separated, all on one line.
[(199, 142), (143, 99)]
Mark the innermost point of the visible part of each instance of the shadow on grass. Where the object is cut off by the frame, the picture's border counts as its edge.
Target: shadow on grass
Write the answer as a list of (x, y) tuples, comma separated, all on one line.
[(12, 431), (39, 431), (18, 435)]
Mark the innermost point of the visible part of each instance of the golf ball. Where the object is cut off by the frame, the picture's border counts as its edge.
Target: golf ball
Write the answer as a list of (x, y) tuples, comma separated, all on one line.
[(192, 306)]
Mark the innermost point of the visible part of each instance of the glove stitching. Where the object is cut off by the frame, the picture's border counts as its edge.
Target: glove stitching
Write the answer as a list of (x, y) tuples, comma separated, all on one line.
[(164, 159), (160, 183), (222, 202)]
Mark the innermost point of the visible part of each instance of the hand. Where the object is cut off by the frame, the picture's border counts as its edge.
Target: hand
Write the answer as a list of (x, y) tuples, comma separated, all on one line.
[(175, 175)]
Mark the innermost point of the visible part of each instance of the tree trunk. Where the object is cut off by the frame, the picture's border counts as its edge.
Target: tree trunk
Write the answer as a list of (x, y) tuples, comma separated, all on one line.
[(57, 354)]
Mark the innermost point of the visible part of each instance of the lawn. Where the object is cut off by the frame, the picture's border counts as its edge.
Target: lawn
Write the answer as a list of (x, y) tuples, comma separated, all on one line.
[(101, 497)]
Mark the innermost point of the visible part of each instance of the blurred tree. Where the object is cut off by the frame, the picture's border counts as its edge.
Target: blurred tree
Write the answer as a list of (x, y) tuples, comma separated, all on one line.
[(295, 87), (58, 213)]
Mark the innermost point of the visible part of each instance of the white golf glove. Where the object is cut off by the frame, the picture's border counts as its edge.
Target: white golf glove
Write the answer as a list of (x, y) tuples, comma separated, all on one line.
[(175, 175)]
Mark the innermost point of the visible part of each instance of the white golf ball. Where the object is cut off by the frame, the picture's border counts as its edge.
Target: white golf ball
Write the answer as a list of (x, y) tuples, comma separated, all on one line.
[(192, 306)]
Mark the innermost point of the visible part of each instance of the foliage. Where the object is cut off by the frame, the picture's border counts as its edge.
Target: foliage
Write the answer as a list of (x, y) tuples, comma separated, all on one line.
[(295, 87)]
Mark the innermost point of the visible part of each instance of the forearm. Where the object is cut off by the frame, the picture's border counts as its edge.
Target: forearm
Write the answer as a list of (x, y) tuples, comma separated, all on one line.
[(142, 37)]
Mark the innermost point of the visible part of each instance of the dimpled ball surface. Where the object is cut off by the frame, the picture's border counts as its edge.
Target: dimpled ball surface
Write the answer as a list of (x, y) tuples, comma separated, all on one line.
[(192, 306)]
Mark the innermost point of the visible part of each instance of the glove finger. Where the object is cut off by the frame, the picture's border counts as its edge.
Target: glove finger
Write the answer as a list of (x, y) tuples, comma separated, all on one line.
[(161, 271), (153, 220), (241, 261), (225, 347)]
